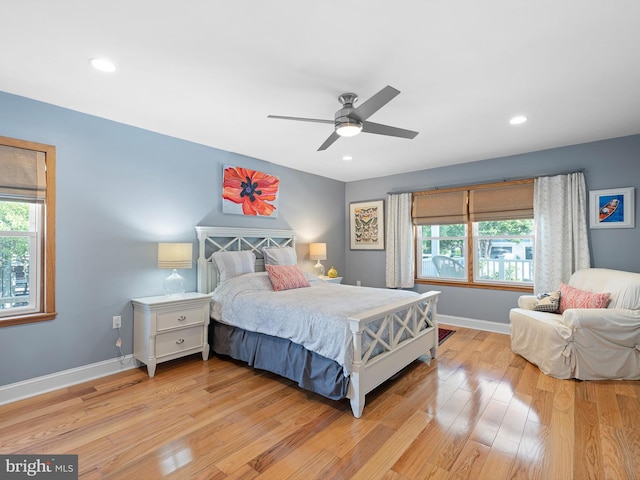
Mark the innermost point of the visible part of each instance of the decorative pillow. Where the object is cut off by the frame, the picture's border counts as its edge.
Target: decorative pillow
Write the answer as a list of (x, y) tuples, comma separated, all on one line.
[(548, 302), (232, 264), (286, 277), (571, 297), (279, 256)]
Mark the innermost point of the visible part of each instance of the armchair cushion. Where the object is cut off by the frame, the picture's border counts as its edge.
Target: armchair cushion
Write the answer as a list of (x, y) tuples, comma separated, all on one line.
[(623, 286)]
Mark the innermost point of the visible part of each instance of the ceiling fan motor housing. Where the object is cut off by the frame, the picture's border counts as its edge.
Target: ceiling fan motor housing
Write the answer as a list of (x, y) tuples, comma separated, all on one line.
[(348, 99), (347, 125)]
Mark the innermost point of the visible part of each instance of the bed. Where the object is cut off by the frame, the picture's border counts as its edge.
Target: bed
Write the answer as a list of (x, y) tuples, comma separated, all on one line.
[(340, 341)]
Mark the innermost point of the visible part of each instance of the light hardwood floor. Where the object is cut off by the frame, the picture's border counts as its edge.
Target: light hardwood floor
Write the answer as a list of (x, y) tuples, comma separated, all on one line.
[(478, 412)]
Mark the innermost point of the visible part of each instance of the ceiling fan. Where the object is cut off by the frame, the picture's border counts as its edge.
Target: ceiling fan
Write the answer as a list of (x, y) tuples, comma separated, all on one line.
[(350, 120)]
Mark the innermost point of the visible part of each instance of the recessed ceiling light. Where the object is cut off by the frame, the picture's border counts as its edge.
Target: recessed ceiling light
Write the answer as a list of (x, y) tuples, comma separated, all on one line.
[(103, 65), (346, 158), (518, 119)]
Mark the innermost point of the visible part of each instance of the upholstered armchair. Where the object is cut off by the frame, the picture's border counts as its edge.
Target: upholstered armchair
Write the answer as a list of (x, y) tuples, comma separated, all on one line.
[(584, 343)]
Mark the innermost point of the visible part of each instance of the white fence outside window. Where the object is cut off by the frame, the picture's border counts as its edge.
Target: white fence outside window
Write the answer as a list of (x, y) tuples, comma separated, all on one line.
[(490, 269)]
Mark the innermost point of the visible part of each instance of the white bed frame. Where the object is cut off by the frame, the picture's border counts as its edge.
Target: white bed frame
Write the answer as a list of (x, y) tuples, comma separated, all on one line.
[(407, 317)]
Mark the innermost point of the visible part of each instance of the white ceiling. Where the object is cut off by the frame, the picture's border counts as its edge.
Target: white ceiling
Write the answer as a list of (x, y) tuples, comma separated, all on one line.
[(211, 71)]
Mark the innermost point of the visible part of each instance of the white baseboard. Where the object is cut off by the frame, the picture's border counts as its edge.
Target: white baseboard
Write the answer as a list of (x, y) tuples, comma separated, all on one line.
[(47, 383), (484, 325)]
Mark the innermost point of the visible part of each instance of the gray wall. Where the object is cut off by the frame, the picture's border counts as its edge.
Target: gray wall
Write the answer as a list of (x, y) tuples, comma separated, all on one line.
[(606, 164), (120, 190)]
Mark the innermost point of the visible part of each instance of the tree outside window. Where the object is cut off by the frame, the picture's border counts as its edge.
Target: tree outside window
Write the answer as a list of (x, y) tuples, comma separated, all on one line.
[(14, 253)]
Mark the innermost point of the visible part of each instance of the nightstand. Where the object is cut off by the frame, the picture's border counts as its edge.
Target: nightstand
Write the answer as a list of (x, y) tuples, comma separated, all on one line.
[(331, 280), (168, 327)]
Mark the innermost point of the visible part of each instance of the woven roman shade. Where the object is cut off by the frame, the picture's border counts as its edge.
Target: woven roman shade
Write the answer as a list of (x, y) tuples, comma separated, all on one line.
[(509, 202), (436, 208), (23, 174)]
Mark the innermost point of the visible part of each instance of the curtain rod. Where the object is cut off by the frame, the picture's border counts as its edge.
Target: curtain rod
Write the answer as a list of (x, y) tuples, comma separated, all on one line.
[(512, 179)]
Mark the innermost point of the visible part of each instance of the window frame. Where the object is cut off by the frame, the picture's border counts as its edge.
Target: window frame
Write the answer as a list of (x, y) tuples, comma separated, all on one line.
[(47, 245), (471, 257)]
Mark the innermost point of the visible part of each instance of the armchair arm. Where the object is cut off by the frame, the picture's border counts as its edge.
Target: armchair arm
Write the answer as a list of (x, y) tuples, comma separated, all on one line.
[(619, 325), (601, 317), (527, 302)]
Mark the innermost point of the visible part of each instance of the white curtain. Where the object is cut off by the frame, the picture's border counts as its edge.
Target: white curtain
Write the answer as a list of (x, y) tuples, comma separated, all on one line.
[(399, 237), (560, 218)]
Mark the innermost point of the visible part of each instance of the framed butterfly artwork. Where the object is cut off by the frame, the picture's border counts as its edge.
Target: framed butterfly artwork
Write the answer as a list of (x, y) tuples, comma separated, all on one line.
[(366, 221)]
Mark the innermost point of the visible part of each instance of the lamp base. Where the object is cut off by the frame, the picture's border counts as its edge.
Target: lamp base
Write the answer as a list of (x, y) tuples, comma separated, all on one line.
[(173, 284), (319, 269)]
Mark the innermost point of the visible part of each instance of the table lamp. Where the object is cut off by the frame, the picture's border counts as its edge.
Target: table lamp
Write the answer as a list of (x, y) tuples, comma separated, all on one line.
[(318, 251), (174, 256)]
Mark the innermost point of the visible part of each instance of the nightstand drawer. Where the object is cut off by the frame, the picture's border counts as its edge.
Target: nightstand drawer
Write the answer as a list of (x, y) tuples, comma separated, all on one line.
[(178, 340), (179, 318)]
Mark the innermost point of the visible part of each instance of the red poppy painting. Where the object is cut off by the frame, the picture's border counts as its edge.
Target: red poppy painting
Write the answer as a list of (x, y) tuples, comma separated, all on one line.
[(248, 192)]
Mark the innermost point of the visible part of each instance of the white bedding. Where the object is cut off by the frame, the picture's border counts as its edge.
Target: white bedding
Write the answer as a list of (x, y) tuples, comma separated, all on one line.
[(314, 317)]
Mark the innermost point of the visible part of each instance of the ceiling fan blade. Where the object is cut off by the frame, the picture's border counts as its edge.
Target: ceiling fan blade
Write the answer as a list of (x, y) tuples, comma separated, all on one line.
[(375, 103), (329, 141), (300, 119), (379, 129)]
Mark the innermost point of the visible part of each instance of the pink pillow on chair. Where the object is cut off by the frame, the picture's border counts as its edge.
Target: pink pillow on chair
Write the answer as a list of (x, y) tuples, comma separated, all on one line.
[(574, 298)]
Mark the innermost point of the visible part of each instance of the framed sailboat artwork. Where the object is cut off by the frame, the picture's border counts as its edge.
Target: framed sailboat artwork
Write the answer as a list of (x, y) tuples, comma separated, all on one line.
[(612, 208)]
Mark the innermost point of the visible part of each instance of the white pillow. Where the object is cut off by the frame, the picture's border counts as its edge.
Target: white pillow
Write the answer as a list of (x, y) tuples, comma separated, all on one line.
[(279, 256), (232, 264)]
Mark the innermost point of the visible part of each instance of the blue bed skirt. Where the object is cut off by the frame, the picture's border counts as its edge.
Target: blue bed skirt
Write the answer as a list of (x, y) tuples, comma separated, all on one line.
[(280, 356)]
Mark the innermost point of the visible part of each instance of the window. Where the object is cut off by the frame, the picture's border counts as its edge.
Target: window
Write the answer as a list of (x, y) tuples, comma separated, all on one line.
[(504, 251), (27, 241), (481, 235), (442, 251)]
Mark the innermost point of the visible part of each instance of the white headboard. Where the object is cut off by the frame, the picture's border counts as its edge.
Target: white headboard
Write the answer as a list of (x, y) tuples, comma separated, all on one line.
[(222, 239)]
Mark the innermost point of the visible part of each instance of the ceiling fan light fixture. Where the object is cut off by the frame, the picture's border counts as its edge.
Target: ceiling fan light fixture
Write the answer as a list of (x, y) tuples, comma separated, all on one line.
[(348, 128)]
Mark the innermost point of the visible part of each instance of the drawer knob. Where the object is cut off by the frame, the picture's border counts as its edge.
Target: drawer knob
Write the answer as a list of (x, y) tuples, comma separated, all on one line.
[(182, 318), (180, 341)]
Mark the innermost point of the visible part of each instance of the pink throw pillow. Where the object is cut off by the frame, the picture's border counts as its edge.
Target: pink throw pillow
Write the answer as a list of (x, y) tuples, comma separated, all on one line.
[(574, 298), (286, 277)]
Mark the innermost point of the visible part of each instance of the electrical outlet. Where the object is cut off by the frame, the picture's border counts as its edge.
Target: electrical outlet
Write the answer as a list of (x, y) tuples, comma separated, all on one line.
[(117, 321)]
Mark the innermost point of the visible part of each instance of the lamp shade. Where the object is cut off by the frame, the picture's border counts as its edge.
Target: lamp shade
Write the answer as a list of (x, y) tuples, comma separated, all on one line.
[(175, 255), (318, 251)]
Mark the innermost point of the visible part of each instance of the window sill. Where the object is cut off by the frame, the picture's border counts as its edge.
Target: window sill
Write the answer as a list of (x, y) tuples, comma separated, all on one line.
[(22, 319), (485, 286)]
